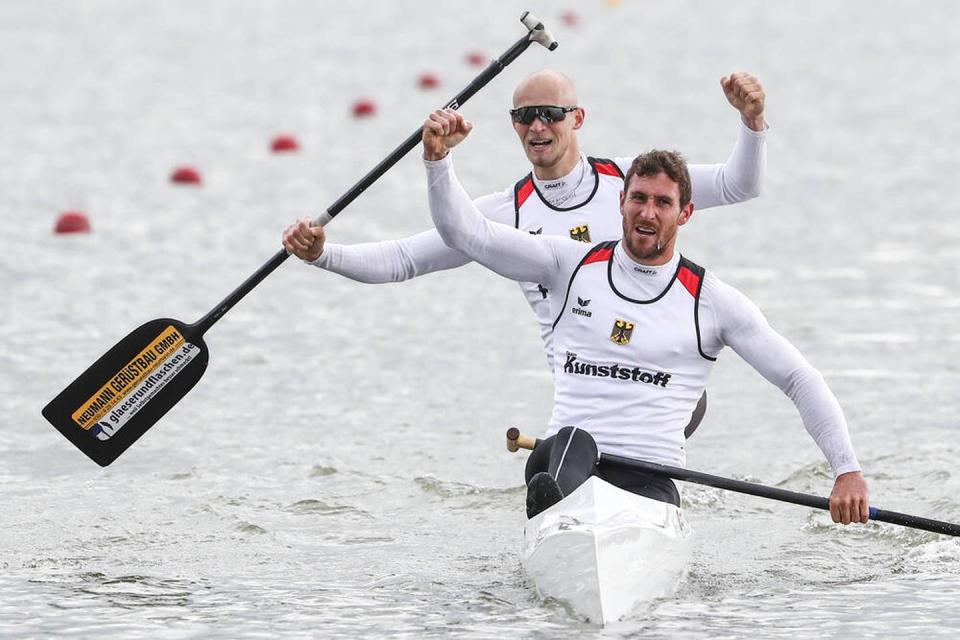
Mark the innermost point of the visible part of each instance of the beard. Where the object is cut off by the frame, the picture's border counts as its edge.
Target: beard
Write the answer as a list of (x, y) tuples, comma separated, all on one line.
[(645, 251), (648, 248)]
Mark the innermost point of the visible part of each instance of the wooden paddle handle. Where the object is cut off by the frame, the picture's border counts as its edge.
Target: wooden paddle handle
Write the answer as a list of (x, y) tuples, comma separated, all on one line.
[(517, 441)]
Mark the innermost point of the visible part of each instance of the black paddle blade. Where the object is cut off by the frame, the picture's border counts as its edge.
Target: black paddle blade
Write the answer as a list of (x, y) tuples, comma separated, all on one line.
[(129, 388)]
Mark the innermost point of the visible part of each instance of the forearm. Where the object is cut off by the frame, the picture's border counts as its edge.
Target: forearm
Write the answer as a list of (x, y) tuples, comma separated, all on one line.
[(390, 261), (783, 365), (822, 416), (508, 252), (739, 179)]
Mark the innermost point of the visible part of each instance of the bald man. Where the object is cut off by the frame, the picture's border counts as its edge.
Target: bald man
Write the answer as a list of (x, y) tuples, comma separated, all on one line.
[(567, 193)]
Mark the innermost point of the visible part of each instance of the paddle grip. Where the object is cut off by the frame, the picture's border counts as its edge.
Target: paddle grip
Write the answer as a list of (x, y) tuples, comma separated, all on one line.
[(517, 441), (538, 32)]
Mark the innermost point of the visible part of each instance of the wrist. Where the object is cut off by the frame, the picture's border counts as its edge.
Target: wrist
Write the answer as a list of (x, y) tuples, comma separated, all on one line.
[(433, 156), (849, 474), (756, 124), (323, 259)]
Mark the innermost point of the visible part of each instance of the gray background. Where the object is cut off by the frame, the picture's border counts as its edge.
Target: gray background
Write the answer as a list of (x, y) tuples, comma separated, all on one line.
[(340, 468)]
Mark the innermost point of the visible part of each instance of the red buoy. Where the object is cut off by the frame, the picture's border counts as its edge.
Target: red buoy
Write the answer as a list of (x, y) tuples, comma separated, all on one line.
[(185, 175), (364, 108), (476, 59), (284, 143), (72, 222), (570, 18), (428, 81)]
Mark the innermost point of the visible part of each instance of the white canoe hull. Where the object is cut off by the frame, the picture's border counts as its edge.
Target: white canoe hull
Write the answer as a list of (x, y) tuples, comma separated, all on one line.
[(603, 550)]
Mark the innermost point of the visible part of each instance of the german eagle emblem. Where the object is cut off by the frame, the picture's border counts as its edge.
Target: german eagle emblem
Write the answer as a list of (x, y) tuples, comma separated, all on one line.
[(622, 330), (581, 233)]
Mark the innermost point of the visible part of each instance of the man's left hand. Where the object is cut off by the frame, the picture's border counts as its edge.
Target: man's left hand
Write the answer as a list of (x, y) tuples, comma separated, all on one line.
[(745, 93), (849, 500)]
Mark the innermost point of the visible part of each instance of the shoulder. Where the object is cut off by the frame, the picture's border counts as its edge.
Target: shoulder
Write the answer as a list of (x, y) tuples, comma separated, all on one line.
[(730, 307), (719, 292), (622, 163), (497, 206), (570, 255), (609, 166)]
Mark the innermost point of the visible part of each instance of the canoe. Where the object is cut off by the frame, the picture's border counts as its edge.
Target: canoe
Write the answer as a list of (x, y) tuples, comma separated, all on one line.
[(603, 551)]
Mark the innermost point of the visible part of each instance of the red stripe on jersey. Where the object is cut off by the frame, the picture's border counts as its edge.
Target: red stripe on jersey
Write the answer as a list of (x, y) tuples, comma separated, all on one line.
[(607, 168), (689, 279), (524, 192), (600, 255)]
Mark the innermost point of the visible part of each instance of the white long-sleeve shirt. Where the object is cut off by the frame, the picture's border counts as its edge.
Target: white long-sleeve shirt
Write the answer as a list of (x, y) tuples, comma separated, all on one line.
[(726, 316), (738, 179)]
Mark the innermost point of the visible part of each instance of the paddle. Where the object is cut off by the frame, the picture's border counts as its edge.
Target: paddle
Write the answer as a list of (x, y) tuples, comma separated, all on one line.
[(121, 395), (516, 441)]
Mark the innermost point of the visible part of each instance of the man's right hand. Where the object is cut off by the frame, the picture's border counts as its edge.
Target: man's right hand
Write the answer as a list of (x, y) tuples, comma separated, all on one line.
[(443, 130), (304, 239)]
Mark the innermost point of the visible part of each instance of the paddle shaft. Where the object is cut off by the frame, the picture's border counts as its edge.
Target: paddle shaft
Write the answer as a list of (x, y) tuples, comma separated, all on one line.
[(492, 70), (516, 441), (488, 74)]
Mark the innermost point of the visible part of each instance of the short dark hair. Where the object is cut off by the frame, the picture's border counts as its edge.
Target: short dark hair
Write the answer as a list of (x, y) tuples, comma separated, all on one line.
[(656, 162)]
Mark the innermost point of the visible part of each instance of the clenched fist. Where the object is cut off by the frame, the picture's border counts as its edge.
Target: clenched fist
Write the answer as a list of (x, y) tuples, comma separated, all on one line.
[(745, 93)]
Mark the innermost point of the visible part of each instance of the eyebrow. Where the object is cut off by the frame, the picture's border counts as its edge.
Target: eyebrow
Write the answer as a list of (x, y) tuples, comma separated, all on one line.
[(639, 192)]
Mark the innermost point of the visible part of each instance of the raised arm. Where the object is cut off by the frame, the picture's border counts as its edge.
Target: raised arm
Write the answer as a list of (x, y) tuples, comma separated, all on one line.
[(389, 260), (506, 251), (743, 327), (741, 177)]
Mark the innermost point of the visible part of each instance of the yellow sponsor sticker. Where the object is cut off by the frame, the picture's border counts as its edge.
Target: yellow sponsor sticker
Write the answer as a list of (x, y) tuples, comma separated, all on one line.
[(127, 379)]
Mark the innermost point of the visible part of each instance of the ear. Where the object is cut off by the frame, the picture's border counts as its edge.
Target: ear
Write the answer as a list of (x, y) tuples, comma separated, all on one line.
[(685, 214), (622, 200), (578, 117)]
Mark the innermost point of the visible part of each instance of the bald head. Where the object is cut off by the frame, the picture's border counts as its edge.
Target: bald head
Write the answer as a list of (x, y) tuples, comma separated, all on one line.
[(550, 141), (545, 87)]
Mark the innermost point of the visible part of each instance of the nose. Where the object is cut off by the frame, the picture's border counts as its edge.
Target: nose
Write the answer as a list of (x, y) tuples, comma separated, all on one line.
[(647, 211), (538, 125)]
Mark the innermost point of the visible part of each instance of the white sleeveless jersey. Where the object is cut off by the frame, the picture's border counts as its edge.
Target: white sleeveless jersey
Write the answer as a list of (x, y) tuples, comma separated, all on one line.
[(630, 372), (595, 219)]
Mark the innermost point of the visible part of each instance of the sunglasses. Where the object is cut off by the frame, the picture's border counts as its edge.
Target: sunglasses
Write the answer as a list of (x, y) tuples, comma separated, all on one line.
[(546, 113)]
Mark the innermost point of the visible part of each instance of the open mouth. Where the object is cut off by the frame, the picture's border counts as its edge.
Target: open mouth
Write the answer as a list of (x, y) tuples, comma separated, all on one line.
[(644, 231), (540, 144)]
